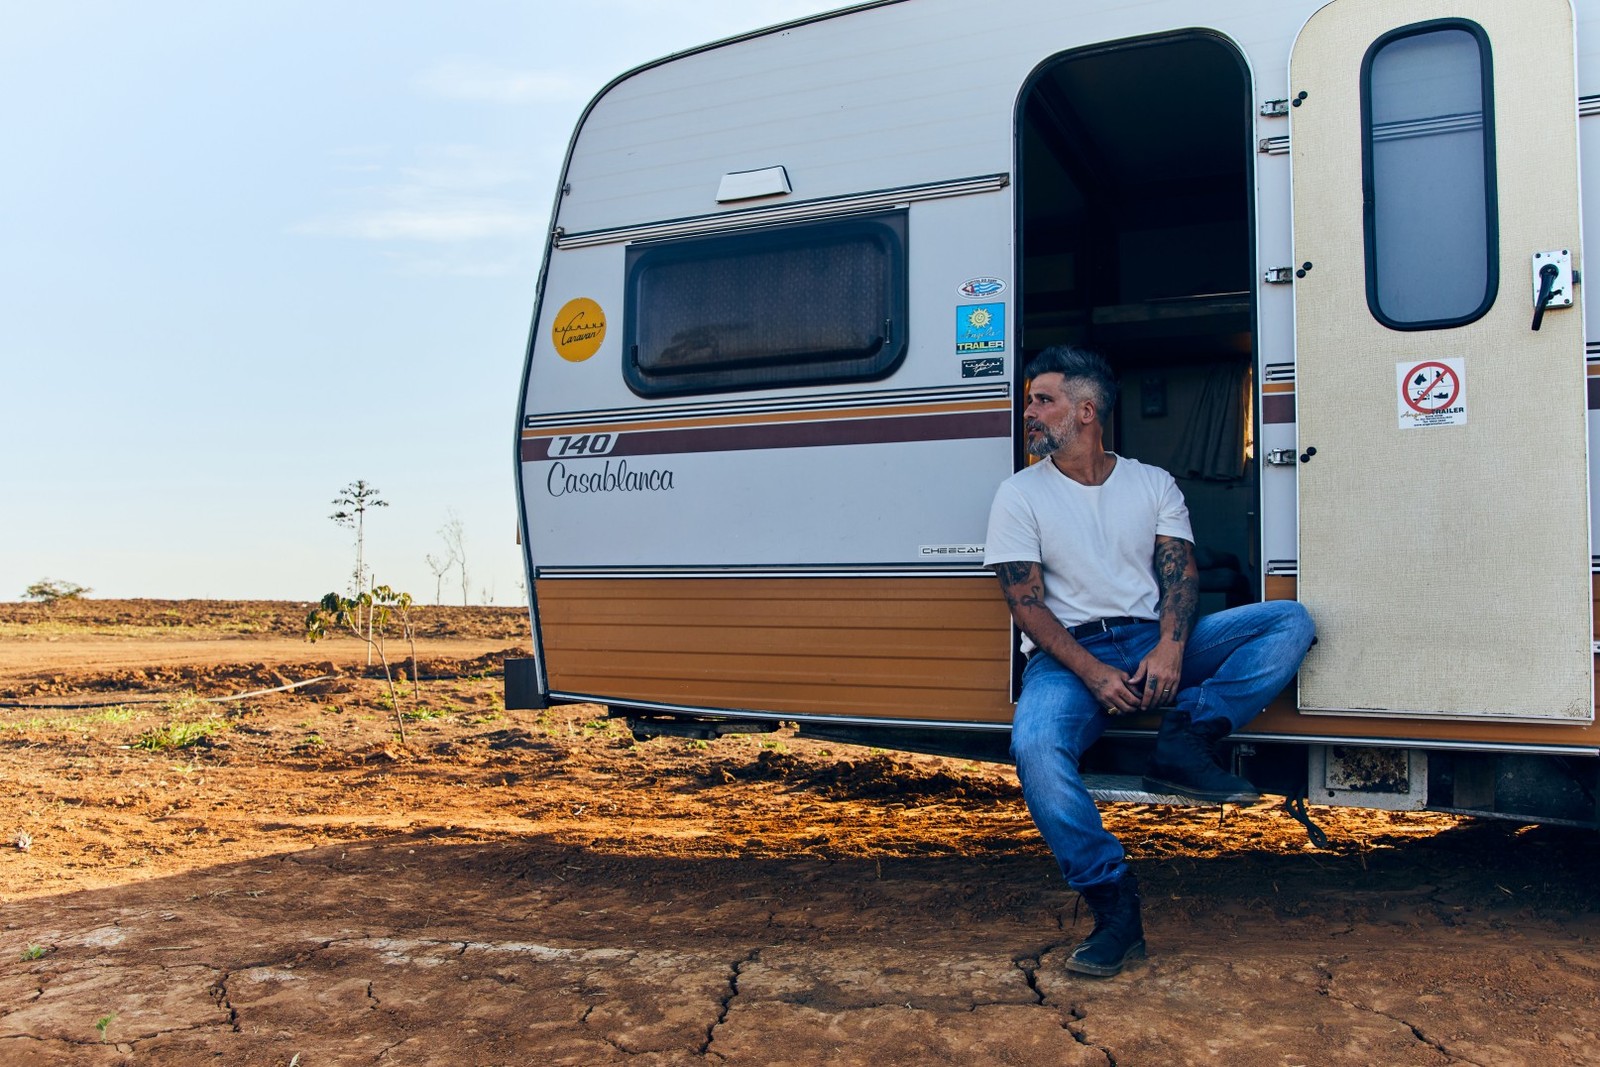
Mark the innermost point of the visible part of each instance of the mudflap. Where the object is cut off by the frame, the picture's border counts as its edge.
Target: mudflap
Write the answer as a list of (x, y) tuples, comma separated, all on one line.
[(522, 685)]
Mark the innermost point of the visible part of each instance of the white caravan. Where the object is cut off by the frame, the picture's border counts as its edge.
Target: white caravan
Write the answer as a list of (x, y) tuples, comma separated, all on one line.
[(1332, 250)]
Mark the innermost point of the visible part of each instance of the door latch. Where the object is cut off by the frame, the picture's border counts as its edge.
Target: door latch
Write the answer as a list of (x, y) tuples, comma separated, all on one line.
[(1280, 457), (1552, 283)]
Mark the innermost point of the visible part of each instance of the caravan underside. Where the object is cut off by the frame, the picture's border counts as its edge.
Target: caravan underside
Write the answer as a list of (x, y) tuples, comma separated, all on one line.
[(723, 534)]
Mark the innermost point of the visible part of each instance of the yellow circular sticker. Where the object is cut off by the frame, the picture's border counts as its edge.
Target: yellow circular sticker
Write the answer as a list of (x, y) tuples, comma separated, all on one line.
[(579, 328)]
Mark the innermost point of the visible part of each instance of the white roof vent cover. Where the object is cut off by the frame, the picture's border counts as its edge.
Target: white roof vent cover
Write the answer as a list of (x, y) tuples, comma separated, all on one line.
[(751, 184)]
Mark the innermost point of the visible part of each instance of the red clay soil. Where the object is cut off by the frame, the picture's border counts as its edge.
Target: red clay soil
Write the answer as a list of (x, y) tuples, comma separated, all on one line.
[(280, 880)]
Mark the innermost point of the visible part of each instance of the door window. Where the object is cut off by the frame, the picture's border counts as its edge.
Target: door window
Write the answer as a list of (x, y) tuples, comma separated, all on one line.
[(1429, 176)]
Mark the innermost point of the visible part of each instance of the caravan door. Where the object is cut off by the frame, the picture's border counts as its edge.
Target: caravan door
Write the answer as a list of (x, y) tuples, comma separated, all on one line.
[(1443, 491)]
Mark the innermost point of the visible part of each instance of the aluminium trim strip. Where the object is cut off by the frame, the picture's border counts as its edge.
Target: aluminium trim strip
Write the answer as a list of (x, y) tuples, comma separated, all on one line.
[(810, 402), (808, 209), (1416, 743), (992, 727), (907, 570), (778, 716), (1588, 105)]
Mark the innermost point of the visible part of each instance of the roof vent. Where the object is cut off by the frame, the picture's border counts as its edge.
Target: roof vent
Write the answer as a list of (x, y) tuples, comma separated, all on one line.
[(751, 184)]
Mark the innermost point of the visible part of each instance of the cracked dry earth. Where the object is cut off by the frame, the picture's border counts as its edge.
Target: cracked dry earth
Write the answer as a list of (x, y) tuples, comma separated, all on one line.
[(297, 886)]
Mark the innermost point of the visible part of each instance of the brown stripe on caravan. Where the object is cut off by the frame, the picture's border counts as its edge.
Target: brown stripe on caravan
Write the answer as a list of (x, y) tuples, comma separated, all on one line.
[(809, 433), (856, 412), (1277, 407), (1594, 393), (901, 648)]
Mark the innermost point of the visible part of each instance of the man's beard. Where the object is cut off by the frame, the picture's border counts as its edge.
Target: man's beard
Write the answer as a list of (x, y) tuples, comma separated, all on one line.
[(1044, 443)]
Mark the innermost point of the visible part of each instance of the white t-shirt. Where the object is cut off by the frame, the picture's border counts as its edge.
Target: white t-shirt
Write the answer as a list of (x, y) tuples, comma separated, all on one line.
[(1095, 543)]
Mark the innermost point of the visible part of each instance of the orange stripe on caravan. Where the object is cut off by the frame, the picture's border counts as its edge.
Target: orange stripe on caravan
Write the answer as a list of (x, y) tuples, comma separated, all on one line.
[(1278, 387), (774, 416), (912, 648)]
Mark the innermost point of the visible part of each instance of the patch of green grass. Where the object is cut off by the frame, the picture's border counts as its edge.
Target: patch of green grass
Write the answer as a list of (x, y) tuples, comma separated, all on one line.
[(418, 714), (179, 734), (313, 739), (34, 952), (103, 1023), (78, 723), (73, 628)]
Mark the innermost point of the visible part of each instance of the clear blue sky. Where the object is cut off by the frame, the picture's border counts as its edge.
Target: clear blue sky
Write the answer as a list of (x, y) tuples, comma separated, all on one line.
[(252, 252)]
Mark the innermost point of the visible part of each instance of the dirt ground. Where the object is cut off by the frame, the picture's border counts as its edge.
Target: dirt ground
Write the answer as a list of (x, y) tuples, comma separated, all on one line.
[(279, 880)]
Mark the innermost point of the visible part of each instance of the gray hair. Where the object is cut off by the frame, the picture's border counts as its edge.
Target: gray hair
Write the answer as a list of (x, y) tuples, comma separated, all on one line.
[(1079, 365)]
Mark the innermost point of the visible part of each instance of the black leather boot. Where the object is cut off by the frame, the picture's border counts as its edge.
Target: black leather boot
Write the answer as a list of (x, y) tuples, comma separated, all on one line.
[(1185, 762), (1118, 934)]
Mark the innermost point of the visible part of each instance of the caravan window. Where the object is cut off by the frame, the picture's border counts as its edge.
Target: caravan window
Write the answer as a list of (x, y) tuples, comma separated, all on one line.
[(1428, 170), (806, 303)]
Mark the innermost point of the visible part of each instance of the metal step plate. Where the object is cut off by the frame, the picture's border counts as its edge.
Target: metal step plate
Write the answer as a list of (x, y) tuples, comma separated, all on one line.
[(1129, 789)]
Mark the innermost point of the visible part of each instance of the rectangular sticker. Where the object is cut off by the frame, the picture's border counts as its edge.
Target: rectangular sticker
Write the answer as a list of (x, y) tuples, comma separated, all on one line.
[(983, 367), (981, 328)]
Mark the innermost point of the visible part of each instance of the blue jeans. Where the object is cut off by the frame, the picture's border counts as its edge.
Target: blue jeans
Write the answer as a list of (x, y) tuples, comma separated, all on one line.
[(1235, 662)]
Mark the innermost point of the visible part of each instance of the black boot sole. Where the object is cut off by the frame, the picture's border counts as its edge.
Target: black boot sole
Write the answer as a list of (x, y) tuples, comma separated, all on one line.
[(1164, 785), (1106, 970)]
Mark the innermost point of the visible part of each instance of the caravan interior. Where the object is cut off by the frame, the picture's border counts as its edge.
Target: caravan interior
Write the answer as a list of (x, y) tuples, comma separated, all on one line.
[(1134, 185)]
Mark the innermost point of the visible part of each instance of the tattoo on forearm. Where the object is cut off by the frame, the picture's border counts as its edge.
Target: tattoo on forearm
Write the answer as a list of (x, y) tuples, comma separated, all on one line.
[(1180, 589), (1021, 584)]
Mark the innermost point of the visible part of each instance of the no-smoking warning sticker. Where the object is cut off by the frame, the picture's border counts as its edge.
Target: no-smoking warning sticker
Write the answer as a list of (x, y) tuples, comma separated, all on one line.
[(1432, 393)]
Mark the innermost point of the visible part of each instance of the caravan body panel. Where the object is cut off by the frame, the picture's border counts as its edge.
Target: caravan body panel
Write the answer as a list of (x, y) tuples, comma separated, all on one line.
[(750, 501)]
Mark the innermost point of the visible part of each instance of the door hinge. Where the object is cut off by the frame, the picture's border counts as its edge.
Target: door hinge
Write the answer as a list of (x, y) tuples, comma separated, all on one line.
[(1280, 457), (1278, 275), (1274, 109)]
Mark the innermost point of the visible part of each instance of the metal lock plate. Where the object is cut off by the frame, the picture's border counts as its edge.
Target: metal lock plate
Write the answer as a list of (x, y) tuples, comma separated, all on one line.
[(1561, 286)]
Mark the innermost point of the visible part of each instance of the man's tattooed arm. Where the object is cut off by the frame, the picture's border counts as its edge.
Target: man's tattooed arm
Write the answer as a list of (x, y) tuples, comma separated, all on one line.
[(1022, 585), (1180, 587)]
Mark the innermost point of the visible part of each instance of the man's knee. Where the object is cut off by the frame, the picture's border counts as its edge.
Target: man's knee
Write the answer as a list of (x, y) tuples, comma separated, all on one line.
[(1290, 618), (1035, 742), (1044, 743)]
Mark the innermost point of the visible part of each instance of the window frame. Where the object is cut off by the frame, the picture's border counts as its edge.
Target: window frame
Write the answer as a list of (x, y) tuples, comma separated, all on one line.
[(891, 230), (1491, 204)]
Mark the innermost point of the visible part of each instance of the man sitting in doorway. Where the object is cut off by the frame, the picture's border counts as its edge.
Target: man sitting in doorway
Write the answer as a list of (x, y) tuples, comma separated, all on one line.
[(1095, 556)]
